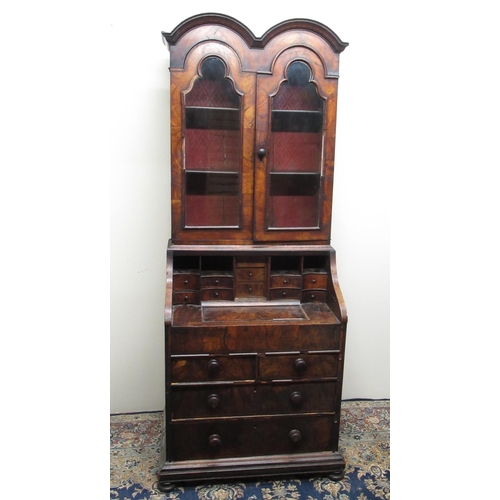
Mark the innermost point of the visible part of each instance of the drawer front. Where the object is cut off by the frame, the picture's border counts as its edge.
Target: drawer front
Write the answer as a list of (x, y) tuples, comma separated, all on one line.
[(314, 280), (285, 294), (251, 437), (185, 281), (251, 261), (239, 400), (298, 366), (216, 282), (216, 294), (313, 296), (251, 274), (248, 338), (209, 368), (187, 297), (250, 290), (285, 281)]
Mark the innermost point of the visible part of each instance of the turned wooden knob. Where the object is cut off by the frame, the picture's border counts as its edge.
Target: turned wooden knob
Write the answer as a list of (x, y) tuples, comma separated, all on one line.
[(300, 365), (214, 441), (213, 367), (296, 398), (213, 401), (295, 436)]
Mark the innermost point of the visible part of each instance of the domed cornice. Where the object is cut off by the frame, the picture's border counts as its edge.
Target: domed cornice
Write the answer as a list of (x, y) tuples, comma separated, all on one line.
[(255, 42)]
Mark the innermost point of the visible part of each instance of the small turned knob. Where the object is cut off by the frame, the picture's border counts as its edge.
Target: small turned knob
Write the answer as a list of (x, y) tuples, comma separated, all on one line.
[(284, 294), (216, 294), (186, 282), (250, 274), (295, 436), (314, 280), (216, 282), (214, 441), (300, 365), (284, 282), (213, 401), (296, 398), (213, 367)]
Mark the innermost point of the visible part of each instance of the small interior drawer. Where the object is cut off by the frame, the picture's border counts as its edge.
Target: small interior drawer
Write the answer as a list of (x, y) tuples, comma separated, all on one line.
[(250, 274), (285, 294), (217, 294), (186, 281), (313, 296), (285, 281), (186, 297), (216, 282), (315, 280), (251, 261), (250, 290)]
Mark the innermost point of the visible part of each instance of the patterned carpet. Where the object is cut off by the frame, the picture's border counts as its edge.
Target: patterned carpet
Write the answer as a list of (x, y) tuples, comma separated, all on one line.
[(364, 443)]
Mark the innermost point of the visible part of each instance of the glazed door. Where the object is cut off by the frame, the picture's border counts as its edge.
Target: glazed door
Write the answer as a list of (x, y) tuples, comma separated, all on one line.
[(212, 182), (295, 148)]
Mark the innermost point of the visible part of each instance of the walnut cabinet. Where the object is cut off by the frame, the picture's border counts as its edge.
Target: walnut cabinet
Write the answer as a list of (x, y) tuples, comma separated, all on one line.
[(255, 322)]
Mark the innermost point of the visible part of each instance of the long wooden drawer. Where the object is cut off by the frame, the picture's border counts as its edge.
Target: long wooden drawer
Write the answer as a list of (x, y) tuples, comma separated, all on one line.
[(298, 366), (209, 368), (258, 338), (251, 437), (260, 399)]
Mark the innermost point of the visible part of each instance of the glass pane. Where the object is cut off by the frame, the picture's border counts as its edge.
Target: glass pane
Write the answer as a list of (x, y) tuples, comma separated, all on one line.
[(295, 148), (212, 154)]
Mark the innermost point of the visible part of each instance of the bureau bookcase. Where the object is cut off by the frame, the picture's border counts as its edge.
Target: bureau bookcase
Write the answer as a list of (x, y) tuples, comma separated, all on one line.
[(255, 322)]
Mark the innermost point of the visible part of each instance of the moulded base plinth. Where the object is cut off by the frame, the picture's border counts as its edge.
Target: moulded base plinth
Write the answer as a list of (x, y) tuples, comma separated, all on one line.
[(330, 464)]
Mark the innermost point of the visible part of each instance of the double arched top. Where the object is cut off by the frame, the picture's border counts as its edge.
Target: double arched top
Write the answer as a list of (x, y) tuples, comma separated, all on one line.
[(252, 41)]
